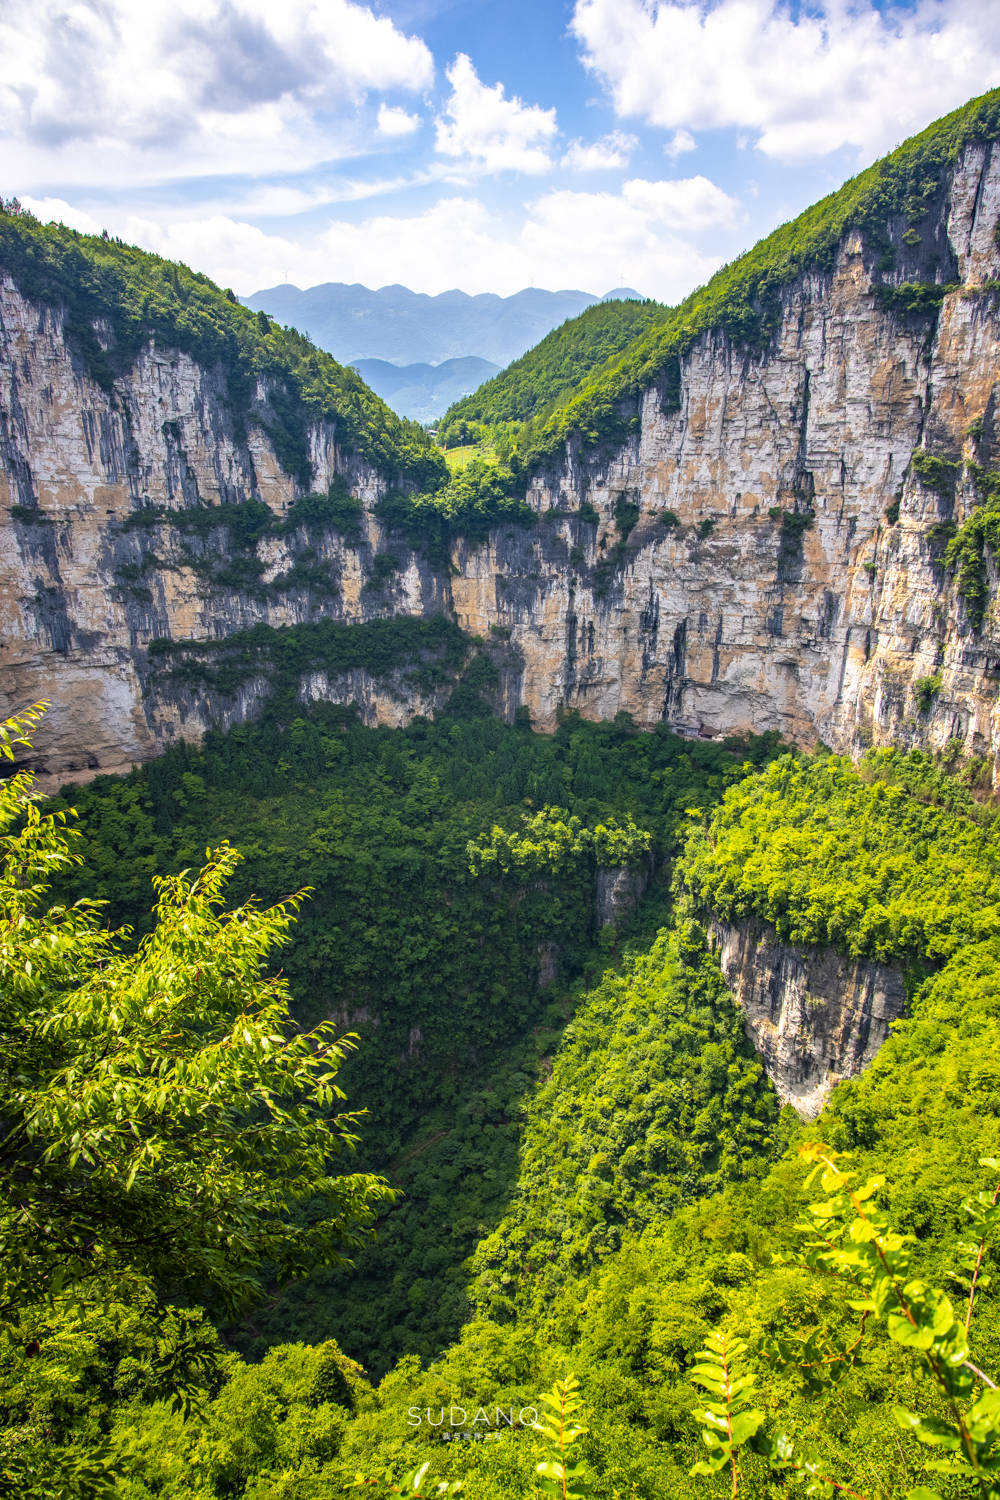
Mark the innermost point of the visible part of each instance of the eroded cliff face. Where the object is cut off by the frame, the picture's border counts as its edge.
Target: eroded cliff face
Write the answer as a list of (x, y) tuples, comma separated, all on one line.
[(84, 590), (762, 586), (813, 1016), (725, 612)]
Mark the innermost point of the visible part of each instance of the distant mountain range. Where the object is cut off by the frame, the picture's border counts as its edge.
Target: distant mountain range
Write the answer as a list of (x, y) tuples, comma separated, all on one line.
[(424, 391), (394, 326)]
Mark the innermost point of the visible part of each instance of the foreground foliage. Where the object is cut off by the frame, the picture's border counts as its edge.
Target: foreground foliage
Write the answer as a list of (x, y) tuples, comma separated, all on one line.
[(652, 1241), (161, 1118), (849, 1239)]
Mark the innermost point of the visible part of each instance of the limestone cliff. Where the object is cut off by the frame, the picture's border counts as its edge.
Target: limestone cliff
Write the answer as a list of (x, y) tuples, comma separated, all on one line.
[(813, 1015), (760, 554), (763, 585)]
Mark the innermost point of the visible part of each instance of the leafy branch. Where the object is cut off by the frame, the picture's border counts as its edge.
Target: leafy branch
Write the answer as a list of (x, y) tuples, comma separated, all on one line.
[(847, 1237), (560, 1474)]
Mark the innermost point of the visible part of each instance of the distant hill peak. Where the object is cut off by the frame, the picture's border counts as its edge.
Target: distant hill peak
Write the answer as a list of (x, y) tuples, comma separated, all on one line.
[(404, 327), (424, 391)]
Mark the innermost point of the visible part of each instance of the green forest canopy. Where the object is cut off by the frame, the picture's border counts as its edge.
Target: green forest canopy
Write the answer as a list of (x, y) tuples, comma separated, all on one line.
[(388, 829), (559, 361), (655, 1177)]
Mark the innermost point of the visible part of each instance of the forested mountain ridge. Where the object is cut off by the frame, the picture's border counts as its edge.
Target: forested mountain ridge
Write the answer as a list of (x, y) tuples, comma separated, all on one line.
[(115, 301), (781, 518), (406, 327), (554, 365)]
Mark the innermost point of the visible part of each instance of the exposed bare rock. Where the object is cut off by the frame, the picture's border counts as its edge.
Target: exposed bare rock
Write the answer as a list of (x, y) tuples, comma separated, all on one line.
[(733, 615), (813, 1015), (619, 889)]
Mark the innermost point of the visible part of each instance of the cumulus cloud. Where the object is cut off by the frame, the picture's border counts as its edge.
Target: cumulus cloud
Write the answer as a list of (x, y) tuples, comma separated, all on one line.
[(806, 81), (679, 142), (57, 210), (562, 238), (488, 132), (610, 152), (395, 121), (129, 93), (688, 203)]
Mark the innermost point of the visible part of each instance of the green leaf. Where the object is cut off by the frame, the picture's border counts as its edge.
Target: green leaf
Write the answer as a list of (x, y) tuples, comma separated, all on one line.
[(745, 1425), (902, 1331), (933, 1431)]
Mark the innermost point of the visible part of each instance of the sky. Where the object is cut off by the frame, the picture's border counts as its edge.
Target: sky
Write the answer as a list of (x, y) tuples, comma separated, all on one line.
[(487, 145)]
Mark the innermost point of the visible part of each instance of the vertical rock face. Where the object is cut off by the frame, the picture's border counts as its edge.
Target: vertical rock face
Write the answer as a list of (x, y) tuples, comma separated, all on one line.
[(619, 889), (84, 590), (813, 1016), (763, 586)]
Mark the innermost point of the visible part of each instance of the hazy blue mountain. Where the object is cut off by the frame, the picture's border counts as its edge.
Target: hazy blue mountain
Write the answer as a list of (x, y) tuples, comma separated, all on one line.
[(404, 327), (422, 391)]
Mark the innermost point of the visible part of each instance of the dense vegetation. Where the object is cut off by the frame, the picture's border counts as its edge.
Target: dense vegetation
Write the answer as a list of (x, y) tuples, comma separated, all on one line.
[(452, 869), (402, 652), (632, 1323), (115, 298), (559, 361), (862, 865), (162, 1121), (655, 1099), (655, 1182), (975, 545)]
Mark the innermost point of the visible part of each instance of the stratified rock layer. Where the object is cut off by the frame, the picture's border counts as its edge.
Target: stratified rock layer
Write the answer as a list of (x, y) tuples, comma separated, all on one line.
[(721, 611)]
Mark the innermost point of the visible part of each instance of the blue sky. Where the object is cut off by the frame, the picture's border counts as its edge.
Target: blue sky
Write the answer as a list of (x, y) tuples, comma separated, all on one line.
[(468, 143)]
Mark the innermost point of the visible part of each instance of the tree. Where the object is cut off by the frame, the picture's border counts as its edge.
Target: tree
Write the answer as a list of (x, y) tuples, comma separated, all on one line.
[(161, 1120)]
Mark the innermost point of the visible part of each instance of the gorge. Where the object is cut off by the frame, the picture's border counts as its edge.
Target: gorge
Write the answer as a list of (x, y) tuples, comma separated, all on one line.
[(633, 755), (764, 551)]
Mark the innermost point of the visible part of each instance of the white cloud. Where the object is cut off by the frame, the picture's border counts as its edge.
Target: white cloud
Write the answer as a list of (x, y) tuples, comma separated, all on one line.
[(685, 203), (589, 240), (487, 131), (58, 210), (393, 121), (679, 142), (610, 152), (111, 90), (602, 240), (838, 73)]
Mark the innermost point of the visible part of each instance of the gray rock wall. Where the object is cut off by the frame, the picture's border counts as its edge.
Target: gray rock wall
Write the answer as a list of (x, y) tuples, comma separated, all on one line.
[(813, 1015), (724, 621)]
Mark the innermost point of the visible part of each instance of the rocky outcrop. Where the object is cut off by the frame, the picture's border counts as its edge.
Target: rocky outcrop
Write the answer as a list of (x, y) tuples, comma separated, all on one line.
[(784, 570), (813, 1015), (620, 888), (85, 589)]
